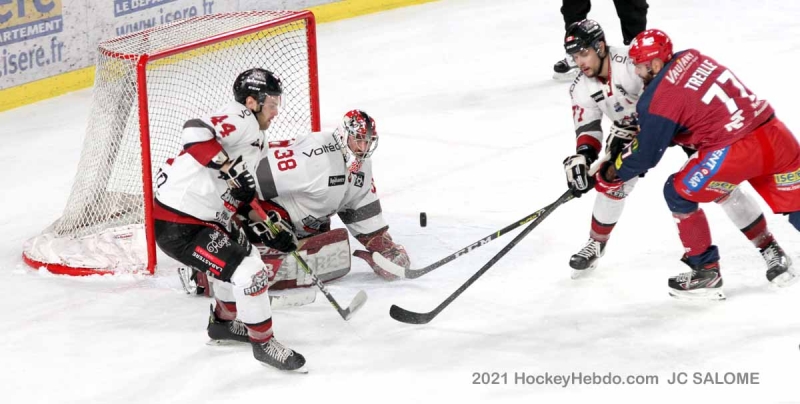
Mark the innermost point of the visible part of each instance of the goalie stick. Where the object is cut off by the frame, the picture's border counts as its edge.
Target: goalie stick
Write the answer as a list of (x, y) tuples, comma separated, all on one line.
[(400, 314), (357, 302)]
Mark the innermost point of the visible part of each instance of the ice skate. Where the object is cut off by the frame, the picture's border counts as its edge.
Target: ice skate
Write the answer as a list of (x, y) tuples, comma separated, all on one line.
[(274, 354), (586, 259), (779, 266), (701, 284), (565, 69), (223, 332)]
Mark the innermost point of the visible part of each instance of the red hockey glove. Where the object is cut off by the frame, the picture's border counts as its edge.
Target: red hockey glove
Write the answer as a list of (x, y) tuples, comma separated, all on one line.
[(381, 242), (604, 185)]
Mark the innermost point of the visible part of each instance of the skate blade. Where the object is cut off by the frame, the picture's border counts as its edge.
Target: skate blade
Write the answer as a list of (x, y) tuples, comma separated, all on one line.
[(568, 76), (582, 273), (303, 370), (785, 279), (698, 295), (224, 342)]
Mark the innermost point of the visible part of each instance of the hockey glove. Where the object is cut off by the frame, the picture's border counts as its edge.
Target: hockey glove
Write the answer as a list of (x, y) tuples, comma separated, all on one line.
[(619, 138), (381, 242), (241, 183), (284, 240), (577, 169), (605, 185)]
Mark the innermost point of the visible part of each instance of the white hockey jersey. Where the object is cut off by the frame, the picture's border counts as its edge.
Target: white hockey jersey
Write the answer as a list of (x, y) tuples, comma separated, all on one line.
[(311, 180), (188, 187), (616, 98)]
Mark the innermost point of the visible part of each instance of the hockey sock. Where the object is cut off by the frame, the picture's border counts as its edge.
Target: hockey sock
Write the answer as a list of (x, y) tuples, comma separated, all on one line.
[(758, 233), (747, 216), (261, 332), (693, 231), (225, 310), (605, 214), (600, 231)]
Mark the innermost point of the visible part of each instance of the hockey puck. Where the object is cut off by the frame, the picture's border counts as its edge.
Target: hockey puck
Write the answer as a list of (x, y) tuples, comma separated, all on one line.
[(423, 219)]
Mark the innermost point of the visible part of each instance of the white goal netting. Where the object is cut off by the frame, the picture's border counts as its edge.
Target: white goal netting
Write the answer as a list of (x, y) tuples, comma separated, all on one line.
[(179, 71)]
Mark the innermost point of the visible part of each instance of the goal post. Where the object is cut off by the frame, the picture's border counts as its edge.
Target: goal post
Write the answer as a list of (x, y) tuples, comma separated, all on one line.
[(147, 84)]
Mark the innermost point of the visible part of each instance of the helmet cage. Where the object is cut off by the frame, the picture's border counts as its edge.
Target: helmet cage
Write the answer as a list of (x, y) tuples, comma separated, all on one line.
[(357, 126)]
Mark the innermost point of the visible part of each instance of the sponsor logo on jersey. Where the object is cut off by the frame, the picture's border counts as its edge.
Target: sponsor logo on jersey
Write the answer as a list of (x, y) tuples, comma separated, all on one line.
[(720, 186), (336, 180), (680, 66), (618, 107), (322, 150), (620, 58), (703, 171), (359, 180), (314, 225), (218, 242), (598, 96), (215, 264), (260, 282), (788, 179)]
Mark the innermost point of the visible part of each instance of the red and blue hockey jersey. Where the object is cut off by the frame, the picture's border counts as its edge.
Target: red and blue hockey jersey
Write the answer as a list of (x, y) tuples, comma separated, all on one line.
[(693, 101)]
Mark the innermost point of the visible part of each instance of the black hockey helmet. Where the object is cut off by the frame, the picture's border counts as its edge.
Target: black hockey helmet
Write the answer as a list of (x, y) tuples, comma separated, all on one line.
[(582, 35), (258, 83)]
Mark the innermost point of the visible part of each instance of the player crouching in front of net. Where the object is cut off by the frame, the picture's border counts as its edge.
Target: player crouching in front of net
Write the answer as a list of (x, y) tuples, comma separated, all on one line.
[(199, 192), (319, 175), (301, 185)]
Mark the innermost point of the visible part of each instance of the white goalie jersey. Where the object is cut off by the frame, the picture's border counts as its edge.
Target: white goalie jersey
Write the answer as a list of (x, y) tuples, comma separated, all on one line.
[(188, 186), (616, 98), (310, 179)]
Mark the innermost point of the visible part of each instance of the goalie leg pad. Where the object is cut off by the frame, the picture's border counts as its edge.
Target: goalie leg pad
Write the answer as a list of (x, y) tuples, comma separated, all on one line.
[(327, 255)]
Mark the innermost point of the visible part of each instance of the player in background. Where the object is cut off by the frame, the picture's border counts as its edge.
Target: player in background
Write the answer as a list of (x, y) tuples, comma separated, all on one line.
[(693, 100), (608, 85), (632, 18), (202, 188)]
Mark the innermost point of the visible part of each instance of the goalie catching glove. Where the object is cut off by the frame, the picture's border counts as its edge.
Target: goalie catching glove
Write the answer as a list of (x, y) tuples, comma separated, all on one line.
[(381, 242), (284, 240)]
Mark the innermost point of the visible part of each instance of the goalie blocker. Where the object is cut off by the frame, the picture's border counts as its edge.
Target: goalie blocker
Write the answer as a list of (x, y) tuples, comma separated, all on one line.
[(327, 255)]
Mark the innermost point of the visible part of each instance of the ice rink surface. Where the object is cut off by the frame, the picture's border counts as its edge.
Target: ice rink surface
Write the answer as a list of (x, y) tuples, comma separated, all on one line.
[(473, 130)]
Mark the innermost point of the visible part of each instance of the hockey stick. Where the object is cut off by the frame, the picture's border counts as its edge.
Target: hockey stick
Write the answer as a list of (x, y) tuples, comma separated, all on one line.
[(410, 317), (355, 304), (409, 273)]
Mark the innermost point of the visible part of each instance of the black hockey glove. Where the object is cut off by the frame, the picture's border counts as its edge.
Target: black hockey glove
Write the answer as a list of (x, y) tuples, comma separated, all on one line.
[(619, 137), (576, 167), (284, 240), (241, 183)]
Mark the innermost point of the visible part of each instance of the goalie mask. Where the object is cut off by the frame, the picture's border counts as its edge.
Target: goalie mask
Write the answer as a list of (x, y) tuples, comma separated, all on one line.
[(357, 135)]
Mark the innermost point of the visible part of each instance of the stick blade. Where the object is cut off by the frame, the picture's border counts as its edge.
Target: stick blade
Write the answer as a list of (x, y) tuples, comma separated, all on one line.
[(388, 266), (409, 317), (356, 304)]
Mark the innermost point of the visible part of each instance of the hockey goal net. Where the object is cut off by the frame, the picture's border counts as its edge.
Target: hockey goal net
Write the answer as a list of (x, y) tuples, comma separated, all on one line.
[(147, 84)]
